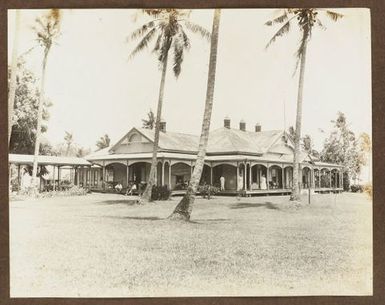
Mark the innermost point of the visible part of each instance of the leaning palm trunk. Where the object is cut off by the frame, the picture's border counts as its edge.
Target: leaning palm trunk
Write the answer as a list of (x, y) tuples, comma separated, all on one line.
[(184, 208), (295, 195), (39, 122), (146, 197), (12, 85)]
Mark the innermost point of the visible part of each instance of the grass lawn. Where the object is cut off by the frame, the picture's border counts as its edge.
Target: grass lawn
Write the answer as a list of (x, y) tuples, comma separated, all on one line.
[(102, 245)]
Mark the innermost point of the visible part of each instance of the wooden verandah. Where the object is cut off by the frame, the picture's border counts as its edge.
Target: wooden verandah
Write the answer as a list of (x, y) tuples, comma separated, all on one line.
[(57, 163)]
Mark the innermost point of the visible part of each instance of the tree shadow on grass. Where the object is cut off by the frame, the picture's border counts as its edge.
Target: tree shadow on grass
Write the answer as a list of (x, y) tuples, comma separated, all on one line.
[(123, 201), (244, 205), (135, 217), (208, 221), (153, 218)]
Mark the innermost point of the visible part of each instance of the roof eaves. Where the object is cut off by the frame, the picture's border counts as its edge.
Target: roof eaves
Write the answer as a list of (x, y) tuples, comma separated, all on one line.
[(235, 152)]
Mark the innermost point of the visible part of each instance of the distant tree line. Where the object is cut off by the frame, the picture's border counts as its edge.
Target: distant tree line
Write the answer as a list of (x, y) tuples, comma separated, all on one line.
[(342, 146)]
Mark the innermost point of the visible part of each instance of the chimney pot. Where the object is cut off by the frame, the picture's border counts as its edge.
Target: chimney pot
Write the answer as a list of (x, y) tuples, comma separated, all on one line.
[(242, 125), (226, 122), (163, 126)]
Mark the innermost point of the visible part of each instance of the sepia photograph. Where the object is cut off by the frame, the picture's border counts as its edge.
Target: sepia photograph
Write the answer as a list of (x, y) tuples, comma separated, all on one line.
[(166, 152)]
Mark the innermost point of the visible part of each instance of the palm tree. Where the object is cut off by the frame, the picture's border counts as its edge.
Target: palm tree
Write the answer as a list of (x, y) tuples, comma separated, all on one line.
[(47, 29), (306, 19), (168, 26), (184, 208), (69, 139), (13, 72), (149, 123), (103, 142)]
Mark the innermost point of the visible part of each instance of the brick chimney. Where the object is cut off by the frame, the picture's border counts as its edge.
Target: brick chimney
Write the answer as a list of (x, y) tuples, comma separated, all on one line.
[(258, 127), (242, 125), (226, 122), (162, 126)]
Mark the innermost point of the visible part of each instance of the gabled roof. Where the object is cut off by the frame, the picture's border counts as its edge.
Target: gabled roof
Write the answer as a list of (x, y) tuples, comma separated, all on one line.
[(221, 141)]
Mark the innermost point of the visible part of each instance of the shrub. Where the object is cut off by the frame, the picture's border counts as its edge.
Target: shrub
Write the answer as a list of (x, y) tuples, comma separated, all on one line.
[(356, 188), (160, 193), (71, 191), (207, 190), (15, 185)]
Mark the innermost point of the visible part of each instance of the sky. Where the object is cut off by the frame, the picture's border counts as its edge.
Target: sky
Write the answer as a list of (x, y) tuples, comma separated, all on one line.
[(96, 89)]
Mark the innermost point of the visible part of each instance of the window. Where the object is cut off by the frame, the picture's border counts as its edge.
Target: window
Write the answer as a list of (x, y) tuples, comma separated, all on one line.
[(134, 138)]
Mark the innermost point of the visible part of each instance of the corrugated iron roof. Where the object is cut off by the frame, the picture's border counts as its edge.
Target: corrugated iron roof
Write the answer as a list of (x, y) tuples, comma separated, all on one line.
[(225, 140), (47, 160), (222, 140), (173, 140)]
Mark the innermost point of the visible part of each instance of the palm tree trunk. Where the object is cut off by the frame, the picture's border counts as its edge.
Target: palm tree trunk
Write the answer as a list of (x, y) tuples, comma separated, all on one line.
[(39, 122), (146, 197), (295, 195), (12, 85), (184, 208)]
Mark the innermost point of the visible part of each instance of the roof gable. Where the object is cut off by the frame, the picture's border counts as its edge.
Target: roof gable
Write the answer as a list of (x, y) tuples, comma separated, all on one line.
[(126, 138)]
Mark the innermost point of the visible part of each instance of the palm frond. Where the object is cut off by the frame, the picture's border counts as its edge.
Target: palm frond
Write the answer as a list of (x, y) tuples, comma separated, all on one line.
[(158, 43), (333, 15), (164, 49), (141, 31), (319, 23), (185, 39), (196, 28), (153, 12), (40, 22), (282, 31), (301, 49), (143, 43), (279, 19), (178, 56)]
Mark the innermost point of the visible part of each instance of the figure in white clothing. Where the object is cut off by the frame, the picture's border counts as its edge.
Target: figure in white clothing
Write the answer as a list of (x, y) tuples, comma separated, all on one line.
[(222, 180), (263, 183), (118, 187), (240, 182), (25, 180)]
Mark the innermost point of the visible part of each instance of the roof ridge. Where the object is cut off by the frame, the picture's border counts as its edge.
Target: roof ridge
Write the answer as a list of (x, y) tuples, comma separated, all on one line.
[(168, 132)]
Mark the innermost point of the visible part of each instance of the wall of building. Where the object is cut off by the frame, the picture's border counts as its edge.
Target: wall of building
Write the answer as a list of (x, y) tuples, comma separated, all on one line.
[(135, 147)]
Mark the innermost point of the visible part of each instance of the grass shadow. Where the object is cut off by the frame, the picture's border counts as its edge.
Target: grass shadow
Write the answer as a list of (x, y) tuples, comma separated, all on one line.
[(211, 220), (135, 217), (244, 205), (123, 201)]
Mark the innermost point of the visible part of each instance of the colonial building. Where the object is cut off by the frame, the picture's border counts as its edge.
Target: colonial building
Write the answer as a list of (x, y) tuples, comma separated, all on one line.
[(250, 161)]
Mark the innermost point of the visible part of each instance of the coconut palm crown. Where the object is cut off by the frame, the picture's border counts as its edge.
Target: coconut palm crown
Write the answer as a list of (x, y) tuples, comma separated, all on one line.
[(47, 29), (306, 19), (169, 28)]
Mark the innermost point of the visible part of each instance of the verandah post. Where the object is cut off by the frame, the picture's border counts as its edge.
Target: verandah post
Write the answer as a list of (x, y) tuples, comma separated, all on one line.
[(162, 182)]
